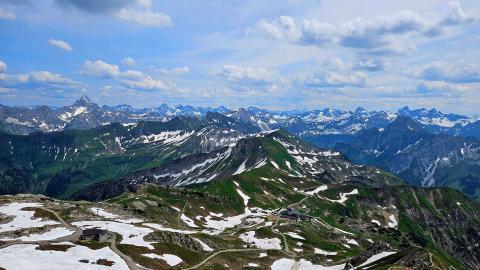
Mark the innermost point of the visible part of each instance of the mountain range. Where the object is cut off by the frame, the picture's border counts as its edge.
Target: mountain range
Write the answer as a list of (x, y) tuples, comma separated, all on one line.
[(424, 147), (212, 188), (421, 158), (322, 127)]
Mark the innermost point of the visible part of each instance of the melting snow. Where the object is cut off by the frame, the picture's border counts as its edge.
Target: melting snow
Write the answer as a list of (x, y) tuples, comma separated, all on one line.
[(177, 136), (165, 229), (283, 264), (102, 213), (188, 220), (274, 164), (377, 257), (393, 222), (324, 252), (240, 169), (294, 235), (318, 189), (48, 235), (376, 222), (244, 197), (170, 259), (344, 196), (265, 243), (22, 219), (205, 247), (352, 242), (26, 256)]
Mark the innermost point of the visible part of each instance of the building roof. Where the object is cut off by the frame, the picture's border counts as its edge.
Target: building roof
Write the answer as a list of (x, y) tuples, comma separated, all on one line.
[(293, 212), (93, 231)]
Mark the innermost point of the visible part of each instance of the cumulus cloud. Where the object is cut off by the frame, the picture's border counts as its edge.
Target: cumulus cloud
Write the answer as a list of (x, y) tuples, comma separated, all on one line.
[(378, 35), (48, 77), (137, 11), (133, 75), (251, 75), (283, 27), (37, 80), (146, 83), (3, 66), (60, 44), (144, 17), (447, 71), (441, 88), (332, 79), (175, 71), (100, 69), (128, 61), (371, 64)]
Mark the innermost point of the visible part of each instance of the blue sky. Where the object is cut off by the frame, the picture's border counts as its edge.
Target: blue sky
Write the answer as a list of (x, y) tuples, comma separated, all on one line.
[(273, 54)]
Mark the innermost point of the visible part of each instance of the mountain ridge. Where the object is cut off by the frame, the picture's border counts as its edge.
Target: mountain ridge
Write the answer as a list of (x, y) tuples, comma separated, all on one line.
[(323, 127)]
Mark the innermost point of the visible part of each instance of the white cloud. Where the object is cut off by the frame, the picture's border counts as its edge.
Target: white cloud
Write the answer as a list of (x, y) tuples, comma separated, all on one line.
[(6, 15), (133, 75), (371, 64), (144, 17), (175, 71), (441, 88), (100, 69), (128, 61), (385, 34), (248, 74), (283, 27), (137, 11), (448, 71), (60, 44), (48, 77), (3, 66), (332, 79), (146, 83), (37, 79)]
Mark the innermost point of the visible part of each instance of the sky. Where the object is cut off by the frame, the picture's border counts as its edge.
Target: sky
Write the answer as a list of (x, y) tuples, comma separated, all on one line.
[(281, 55)]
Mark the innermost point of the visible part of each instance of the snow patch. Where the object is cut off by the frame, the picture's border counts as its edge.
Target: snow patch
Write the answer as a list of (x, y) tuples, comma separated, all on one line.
[(264, 243), (170, 259)]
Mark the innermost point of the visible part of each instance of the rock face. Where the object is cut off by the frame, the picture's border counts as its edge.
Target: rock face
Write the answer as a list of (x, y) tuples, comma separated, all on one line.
[(419, 157)]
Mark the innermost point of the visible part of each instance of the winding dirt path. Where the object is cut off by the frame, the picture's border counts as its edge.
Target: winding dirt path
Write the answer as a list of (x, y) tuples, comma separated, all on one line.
[(128, 260), (225, 251)]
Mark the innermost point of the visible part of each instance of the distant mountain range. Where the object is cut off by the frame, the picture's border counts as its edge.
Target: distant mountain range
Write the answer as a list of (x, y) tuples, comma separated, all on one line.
[(421, 158), (323, 128)]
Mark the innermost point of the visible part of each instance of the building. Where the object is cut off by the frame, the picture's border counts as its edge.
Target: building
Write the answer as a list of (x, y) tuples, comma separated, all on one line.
[(94, 234), (294, 214)]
